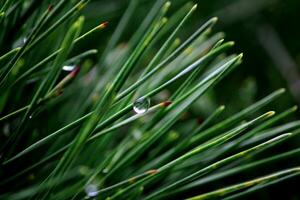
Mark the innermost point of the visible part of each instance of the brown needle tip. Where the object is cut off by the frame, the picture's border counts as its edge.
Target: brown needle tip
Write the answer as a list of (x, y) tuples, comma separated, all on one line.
[(166, 103)]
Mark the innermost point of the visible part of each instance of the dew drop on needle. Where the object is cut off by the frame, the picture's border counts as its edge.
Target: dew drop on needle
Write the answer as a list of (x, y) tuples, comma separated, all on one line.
[(141, 105), (91, 190), (24, 40), (68, 68)]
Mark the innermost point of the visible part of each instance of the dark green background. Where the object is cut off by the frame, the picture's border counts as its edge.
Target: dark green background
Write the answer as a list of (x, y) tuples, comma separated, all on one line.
[(266, 31)]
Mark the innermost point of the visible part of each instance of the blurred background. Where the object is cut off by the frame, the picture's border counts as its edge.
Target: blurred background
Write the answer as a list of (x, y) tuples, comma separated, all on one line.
[(266, 31)]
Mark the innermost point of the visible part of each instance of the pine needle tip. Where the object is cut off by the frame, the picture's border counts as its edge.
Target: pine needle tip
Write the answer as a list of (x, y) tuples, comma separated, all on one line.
[(214, 19), (152, 171), (168, 4), (50, 8), (166, 103), (102, 25), (164, 20), (288, 134), (231, 43), (270, 113), (194, 7), (294, 108), (177, 41), (222, 107), (282, 90), (74, 72)]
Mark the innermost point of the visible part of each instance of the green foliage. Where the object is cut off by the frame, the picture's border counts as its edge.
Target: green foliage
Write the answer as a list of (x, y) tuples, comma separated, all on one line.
[(119, 128)]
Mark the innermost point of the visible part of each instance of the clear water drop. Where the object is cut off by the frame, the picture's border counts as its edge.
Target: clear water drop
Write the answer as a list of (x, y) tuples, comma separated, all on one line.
[(35, 112), (20, 42), (68, 68), (137, 134), (91, 190), (141, 105), (6, 129), (24, 40)]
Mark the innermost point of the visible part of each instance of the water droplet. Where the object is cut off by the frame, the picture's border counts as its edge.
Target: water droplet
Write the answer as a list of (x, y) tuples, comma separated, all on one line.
[(6, 129), (20, 42), (137, 134), (105, 170), (24, 40), (35, 112), (141, 105), (91, 190), (68, 68)]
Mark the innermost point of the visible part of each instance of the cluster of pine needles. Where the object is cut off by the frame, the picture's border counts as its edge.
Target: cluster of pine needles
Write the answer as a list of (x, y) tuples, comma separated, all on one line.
[(115, 126)]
